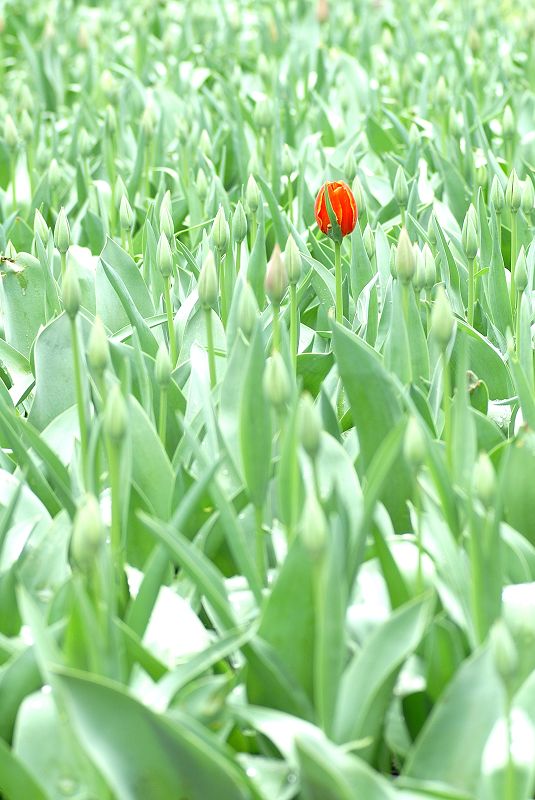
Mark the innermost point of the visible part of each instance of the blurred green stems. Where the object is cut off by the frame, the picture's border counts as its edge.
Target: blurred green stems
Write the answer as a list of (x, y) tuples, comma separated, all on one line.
[(63, 264), (80, 399), (471, 291), (477, 588), (276, 339), (114, 462), (338, 281), (162, 420), (14, 178), (253, 228), (405, 296), (210, 346), (293, 325), (170, 321), (402, 212), (238, 257), (499, 226), (29, 165), (290, 199), (220, 265), (260, 545), (517, 322), (514, 255), (446, 404)]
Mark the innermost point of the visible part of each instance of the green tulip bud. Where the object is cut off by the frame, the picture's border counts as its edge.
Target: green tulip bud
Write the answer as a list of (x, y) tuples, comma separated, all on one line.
[(148, 121), (167, 225), (497, 195), (26, 98), (54, 174), (528, 197), (310, 427), (205, 143), (392, 263), (247, 311), (87, 534), (431, 233), (70, 293), (252, 195), (508, 123), (441, 91), (287, 161), (164, 256), (208, 286), (358, 194), (513, 192), (10, 253), (430, 269), (293, 260), (115, 415), (405, 261), (414, 445), (504, 651), (220, 231), (350, 167), (263, 114), (126, 215), (276, 381), (108, 84), (40, 228), (98, 348), (442, 319), (62, 232), (162, 367), (419, 273), (202, 185), (481, 175), (414, 134), (484, 480), (313, 526), (469, 237), (276, 282), (521, 271), (454, 126), (84, 143), (110, 119), (26, 126), (401, 188), (369, 242), (239, 224), (11, 135)]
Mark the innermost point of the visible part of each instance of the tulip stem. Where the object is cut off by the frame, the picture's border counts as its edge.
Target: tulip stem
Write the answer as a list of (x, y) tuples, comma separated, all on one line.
[(294, 345), (276, 328), (514, 232), (338, 280), (253, 228), (162, 421), (471, 290), (290, 198), (210, 346), (260, 546), (80, 399), (517, 321), (63, 264), (238, 257), (446, 403), (170, 321), (115, 492), (14, 180)]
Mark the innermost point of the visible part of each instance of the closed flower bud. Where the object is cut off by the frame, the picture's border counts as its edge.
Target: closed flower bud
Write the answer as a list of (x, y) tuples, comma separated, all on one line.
[(108, 84), (484, 480), (26, 126), (40, 228), (148, 120), (54, 174), (442, 319), (313, 526), (167, 225), (205, 143), (527, 196), (419, 273), (392, 262), (11, 135), (263, 113), (220, 231), (513, 192), (276, 381), (252, 195), (110, 119), (126, 215), (497, 195), (414, 134), (369, 242), (481, 175), (62, 232), (350, 167), (70, 293), (276, 282), (98, 348), (431, 233), (469, 237), (202, 185), (310, 427), (504, 651), (401, 189), (521, 271), (10, 253), (115, 415), (208, 287), (358, 194), (430, 270), (287, 161), (164, 256), (405, 261), (26, 98), (441, 91), (162, 368), (247, 311), (508, 124), (414, 444), (87, 534), (292, 260), (239, 224), (84, 143)]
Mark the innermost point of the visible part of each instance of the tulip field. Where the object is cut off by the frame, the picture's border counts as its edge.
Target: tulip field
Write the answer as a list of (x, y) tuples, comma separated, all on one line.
[(267, 400)]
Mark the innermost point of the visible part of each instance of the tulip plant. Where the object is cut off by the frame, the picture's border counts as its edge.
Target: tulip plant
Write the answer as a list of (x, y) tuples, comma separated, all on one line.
[(267, 400)]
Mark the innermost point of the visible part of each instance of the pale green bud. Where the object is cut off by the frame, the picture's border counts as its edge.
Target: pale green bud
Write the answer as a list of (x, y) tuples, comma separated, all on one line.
[(252, 195), (276, 381), (148, 120), (247, 311), (504, 651), (287, 161), (521, 271), (414, 444), (98, 348), (442, 319), (62, 232), (167, 225), (115, 415), (405, 261), (164, 256), (162, 368), (110, 119), (528, 196), (87, 534), (26, 126), (239, 223), (481, 175), (310, 426), (293, 260), (508, 124), (220, 231), (40, 228), (369, 242), (414, 134), (10, 252), (430, 270), (26, 98), (208, 286), (485, 480), (11, 135), (513, 192), (431, 233), (263, 113), (419, 274), (313, 526), (276, 282), (205, 143), (70, 293), (358, 194), (84, 142), (401, 188), (202, 185), (497, 195), (441, 91), (350, 167), (469, 237), (126, 215)]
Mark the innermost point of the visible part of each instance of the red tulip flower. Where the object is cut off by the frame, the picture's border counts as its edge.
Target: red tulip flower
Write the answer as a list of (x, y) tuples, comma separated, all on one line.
[(343, 208)]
